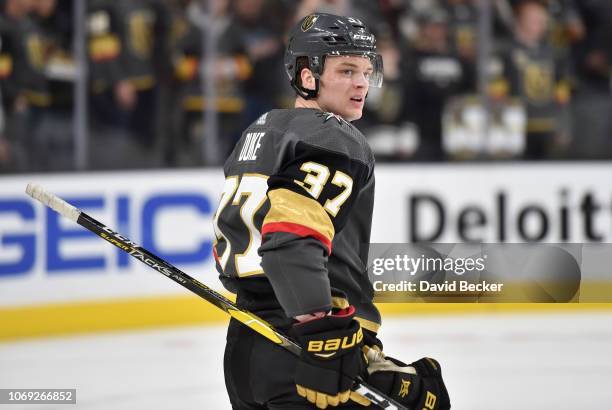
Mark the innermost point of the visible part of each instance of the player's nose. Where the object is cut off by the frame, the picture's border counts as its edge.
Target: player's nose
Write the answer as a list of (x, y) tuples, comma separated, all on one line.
[(360, 81)]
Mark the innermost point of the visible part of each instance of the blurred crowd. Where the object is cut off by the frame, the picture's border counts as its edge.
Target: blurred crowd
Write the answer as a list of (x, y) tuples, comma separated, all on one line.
[(530, 81)]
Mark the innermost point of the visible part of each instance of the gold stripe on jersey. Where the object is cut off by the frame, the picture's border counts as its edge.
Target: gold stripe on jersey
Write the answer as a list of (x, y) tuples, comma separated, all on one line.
[(368, 324), (289, 207)]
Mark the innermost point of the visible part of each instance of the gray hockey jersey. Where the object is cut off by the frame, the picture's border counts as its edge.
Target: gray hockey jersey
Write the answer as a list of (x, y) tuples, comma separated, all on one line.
[(294, 219)]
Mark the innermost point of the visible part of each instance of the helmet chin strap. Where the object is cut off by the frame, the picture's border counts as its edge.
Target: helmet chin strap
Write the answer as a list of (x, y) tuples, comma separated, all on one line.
[(305, 93)]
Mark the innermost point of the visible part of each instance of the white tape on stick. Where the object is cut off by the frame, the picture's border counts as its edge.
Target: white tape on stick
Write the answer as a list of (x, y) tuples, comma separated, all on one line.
[(57, 204)]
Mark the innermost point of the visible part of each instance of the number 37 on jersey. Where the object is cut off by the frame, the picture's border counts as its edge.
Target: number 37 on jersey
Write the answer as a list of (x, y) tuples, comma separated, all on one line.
[(306, 202)]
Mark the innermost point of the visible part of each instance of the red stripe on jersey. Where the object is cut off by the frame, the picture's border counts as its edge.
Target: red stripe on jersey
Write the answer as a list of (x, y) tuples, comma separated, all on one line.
[(215, 254), (296, 229)]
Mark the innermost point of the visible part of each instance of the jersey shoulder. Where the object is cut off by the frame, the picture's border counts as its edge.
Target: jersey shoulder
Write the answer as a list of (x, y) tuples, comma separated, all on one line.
[(330, 132), (287, 133)]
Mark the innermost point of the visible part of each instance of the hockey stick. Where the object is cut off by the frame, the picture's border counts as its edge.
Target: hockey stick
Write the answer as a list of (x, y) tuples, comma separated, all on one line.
[(247, 318)]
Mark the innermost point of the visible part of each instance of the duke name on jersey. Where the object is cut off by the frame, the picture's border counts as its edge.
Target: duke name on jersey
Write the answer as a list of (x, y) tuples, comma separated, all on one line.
[(293, 223)]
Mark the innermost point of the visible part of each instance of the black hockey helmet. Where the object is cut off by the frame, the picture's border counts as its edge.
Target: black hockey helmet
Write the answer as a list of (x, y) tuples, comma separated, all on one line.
[(319, 35)]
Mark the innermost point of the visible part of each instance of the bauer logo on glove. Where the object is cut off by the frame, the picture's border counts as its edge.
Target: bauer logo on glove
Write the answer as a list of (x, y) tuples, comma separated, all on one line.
[(334, 345)]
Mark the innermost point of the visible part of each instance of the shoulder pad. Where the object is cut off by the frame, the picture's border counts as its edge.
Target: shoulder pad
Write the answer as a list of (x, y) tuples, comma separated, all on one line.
[(331, 132)]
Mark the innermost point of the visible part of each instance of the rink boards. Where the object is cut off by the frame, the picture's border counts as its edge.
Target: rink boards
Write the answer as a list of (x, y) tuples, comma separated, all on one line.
[(55, 277)]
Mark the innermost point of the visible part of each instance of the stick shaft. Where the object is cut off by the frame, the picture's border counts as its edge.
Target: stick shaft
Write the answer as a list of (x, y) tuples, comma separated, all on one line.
[(167, 269)]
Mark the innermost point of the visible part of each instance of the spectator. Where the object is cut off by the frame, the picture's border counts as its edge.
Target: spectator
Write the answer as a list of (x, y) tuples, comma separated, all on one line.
[(535, 73), (24, 87), (263, 24), (229, 71), (123, 78), (8, 93), (140, 19), (111, 96), (593, 100), (145, 65), (54, 133), (432, 73), (463, 28), (565, 23)]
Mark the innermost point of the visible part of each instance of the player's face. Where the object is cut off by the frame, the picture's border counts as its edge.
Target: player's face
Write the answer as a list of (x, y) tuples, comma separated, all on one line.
[(344, 85)]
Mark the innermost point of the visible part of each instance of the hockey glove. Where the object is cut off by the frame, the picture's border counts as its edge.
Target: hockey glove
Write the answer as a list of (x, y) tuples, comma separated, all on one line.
[(331, 359), (418, 385)]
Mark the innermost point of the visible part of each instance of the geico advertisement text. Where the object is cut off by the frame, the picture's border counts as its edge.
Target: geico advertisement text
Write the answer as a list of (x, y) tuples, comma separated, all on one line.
[(44, 257)]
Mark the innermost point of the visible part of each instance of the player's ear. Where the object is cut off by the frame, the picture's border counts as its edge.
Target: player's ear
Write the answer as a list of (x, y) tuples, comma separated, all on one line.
[(308, 80)]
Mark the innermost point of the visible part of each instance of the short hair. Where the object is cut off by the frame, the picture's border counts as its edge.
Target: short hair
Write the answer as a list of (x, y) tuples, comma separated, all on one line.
[(520, 5)]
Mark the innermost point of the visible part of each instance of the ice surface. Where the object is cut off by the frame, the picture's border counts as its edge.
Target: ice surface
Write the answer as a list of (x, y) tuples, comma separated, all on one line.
[(490, 362)]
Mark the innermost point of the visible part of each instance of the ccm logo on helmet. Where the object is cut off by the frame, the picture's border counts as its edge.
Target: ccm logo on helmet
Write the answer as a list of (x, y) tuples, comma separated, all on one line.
[(333, 345), (363, 37)]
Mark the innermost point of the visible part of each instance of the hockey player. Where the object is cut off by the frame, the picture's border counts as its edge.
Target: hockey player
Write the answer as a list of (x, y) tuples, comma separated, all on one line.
[(293, 227)]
